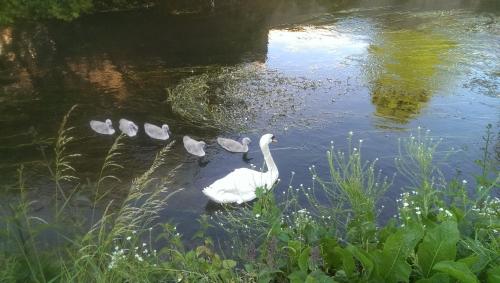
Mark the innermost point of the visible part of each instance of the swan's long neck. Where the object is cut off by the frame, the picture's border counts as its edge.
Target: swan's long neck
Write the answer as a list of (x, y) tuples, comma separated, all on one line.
[(271, 166)]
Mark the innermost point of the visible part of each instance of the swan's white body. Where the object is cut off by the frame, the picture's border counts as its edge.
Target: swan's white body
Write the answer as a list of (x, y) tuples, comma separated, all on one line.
[(128, 127), (234, 146), (239, 186), (104, 128), (193, 146), (156, 132)]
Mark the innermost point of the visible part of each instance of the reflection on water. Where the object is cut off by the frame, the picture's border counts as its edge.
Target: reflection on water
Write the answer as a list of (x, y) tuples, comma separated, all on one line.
[(317, 39), (308, 81), (102, 73), (405, 71)]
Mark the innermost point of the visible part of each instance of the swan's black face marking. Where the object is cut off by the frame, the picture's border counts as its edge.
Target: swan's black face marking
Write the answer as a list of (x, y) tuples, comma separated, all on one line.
[(273, 139)]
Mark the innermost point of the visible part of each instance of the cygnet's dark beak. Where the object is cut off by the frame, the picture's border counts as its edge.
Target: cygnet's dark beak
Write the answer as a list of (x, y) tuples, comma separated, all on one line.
[(273, 139)]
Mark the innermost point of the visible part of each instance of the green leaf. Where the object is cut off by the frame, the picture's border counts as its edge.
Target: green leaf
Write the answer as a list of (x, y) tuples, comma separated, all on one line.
[(297, 276), (347, 261), (283, 237), (392, 261), (362, 257), (439, 243), (319, 276), (494, 274), (304, 259), (457, 270), (328, 253), (476, 263), (438, 277), (228, 263)]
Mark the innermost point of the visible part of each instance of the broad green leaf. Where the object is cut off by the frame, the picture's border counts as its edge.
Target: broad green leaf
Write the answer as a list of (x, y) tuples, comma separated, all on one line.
[(494, 274), (297, 276), (439, 243), (392, 261), (336, 257), (457, 270), (283, 237), (331, 259), (364, 258), (438, 277), (476, 263), (319, 276), (347, 261), (304, 259)]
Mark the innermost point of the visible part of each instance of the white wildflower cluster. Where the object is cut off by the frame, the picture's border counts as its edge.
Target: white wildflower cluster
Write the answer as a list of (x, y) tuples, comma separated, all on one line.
[(445, 212), (116, 256), (139, 253), (302, 218), (490, 207), (407, 205)]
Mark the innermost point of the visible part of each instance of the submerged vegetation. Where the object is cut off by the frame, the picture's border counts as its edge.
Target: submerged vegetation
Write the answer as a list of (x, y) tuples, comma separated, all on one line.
[(330, 231)]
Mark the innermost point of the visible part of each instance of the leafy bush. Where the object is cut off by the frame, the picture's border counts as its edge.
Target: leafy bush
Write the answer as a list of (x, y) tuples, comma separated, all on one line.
[(443, 231)]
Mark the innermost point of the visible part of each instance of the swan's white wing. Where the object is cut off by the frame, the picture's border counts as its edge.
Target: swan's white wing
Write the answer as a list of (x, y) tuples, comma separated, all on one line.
[(230, 145), (192, 146), (101, 128), (155, 132), (128, 127), (238, 186)]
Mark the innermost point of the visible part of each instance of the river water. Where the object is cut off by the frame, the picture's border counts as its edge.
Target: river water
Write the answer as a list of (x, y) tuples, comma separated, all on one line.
[(308, 77)]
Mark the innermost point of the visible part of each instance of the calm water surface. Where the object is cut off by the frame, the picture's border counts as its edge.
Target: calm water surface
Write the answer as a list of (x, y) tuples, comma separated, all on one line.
[(309, 79)]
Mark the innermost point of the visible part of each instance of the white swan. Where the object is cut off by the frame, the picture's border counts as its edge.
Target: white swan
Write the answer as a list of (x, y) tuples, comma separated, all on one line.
[(104, 128), (128, 127), (239, 186), (234, 146), (156, 132), (193, 146)]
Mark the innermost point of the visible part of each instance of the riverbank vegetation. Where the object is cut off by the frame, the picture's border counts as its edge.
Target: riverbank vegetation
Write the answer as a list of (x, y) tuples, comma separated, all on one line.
[(328, 231)]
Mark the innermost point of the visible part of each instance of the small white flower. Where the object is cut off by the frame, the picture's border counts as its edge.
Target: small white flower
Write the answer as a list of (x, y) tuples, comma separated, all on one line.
[(144, 244), (129, 238), (464, 181), (405, 204), (360, 141), (257, 215), (418, 212), (351, 133)]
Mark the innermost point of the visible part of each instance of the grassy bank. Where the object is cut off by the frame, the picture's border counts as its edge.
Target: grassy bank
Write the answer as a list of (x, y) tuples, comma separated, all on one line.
[(329, 231)]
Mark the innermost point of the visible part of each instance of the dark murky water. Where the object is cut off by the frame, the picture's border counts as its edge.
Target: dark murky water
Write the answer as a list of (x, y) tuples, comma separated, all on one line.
[(309, 79)]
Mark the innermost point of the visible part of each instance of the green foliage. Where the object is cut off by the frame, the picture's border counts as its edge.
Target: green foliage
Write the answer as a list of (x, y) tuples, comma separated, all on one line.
[(440, 234), (438, 244), (392, 260), (458, 270), (11, 10)]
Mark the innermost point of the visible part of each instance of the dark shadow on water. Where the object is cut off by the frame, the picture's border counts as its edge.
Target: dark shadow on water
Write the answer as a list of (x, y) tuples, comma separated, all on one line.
[(212, 207), (245, 158), (203, 161)]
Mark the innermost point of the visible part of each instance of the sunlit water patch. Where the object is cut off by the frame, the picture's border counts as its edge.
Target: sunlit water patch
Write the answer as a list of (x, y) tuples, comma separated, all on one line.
[(378, 72)]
